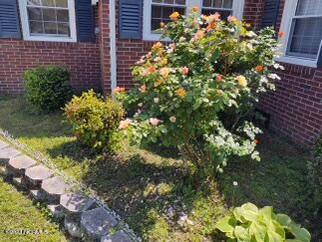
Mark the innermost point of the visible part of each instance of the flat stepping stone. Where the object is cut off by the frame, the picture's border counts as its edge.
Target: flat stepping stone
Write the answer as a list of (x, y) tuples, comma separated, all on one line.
[(7, 153), (17, 166), (37, 195), (3, 144), (53, 188), (35, 175), (120, 236), (97, 222), (56, 210), (73, 227), (75, 204)]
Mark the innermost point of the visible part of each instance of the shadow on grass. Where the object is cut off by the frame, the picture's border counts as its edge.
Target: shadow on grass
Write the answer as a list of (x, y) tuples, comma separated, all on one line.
[(150, 197)]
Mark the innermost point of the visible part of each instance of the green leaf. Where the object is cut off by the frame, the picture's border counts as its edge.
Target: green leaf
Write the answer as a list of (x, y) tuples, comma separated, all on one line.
[(226, 225), (283, 219), (242, 234), (300, 233)]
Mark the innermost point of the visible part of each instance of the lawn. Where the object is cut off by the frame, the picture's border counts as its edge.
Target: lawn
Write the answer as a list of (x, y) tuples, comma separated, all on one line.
[(154, 192), (18, 214)]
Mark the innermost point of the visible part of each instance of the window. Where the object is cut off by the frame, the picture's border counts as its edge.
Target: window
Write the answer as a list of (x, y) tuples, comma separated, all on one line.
[(303, 31), (224, 7), (48, 20), (162, 9), (157, 11)]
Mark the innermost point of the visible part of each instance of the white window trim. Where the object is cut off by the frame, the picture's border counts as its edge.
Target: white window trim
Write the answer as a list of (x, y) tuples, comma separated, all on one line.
[(238, 9), (286, 24), (26, 29)]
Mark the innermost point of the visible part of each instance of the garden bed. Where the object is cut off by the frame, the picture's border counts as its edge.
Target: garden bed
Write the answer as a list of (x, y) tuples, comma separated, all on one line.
[(153, 191)]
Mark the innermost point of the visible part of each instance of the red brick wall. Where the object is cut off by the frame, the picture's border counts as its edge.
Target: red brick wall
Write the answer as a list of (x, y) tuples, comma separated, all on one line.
[(104, 45), (17, 56)]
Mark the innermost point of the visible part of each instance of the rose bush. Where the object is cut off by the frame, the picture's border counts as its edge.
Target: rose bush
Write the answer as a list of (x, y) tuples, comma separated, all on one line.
[(197, 91)]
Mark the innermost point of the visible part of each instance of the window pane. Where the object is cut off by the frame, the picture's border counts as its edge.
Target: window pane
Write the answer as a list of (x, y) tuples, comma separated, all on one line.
[(48, 3), (34, 14), (34, 2), (207, 3), (63, 29), (50, 28), (62, 3), (36, 27), (156, 12), (306, 37), (62, 16), (217, 3), (309, 7), (49, 14), (181, 2), (228, 4), (169, 1)]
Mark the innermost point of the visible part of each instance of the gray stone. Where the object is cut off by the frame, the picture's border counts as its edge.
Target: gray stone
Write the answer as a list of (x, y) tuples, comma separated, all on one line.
[(97, 222), (75, 204), (17, 181), (17, 166), (56, 210), (35, 175), (53, 188), (37, 195), (120, 236), (3, 171), (7, 153), (73, 228)]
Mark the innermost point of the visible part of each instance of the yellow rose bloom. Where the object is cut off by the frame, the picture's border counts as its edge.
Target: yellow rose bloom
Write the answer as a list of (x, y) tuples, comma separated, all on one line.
[(164, 72), (181, 92), (175, 16), (242, 81)]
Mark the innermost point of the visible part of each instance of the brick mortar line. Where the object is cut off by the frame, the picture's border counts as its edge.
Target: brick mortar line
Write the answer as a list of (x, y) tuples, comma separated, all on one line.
[(39, 157)]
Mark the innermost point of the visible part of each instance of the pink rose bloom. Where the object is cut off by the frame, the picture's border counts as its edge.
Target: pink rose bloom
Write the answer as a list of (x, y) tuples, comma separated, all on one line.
[(155, 122), (124, 124), (232, 19), (185, 71)]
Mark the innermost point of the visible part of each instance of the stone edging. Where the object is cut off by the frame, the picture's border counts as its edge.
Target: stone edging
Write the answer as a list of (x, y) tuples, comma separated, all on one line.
[(83, 211)]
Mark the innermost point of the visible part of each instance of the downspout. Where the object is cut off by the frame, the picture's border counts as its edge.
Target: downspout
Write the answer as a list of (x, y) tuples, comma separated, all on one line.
[(113, 56)]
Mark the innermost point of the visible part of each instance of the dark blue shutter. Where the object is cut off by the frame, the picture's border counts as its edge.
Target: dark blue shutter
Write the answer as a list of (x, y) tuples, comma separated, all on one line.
[(131, 14), (85, 21), (270, 14), (319, 63), (9, 19)]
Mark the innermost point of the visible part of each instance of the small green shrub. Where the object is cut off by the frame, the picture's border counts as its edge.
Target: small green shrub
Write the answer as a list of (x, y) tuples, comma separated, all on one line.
[(48, 88), (248, 223), (95, 121)]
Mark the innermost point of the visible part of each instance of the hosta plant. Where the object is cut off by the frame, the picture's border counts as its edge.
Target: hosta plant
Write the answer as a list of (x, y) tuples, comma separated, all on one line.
[(249, 223), (197, 91)]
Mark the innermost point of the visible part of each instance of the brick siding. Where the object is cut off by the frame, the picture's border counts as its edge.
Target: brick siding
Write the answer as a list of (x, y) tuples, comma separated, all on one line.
[(17, 56)]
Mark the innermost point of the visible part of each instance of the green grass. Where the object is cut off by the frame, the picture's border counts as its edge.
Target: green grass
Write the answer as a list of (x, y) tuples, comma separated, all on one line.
[(18, 213), (151, 191)]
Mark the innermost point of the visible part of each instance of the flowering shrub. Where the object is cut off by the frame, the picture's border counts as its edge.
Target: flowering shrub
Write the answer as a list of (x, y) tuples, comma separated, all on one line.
[(248, 223), (196, 92), (95, 121)]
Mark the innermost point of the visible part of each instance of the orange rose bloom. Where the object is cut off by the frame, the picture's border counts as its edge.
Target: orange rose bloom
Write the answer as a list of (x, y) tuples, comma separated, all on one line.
[(152, 70), (119, 90), (175, 16), (260, 68), (157, 46), (281, 34), (199, 35), (211, 26), (181, 92), (213, 18)]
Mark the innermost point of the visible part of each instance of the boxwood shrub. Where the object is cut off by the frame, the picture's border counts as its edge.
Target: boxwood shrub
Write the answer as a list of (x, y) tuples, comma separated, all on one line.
[(48, 87), (95, 120)]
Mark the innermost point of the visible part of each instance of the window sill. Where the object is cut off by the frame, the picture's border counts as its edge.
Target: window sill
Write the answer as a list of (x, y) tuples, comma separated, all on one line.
[(297, 61), (49, 39)]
